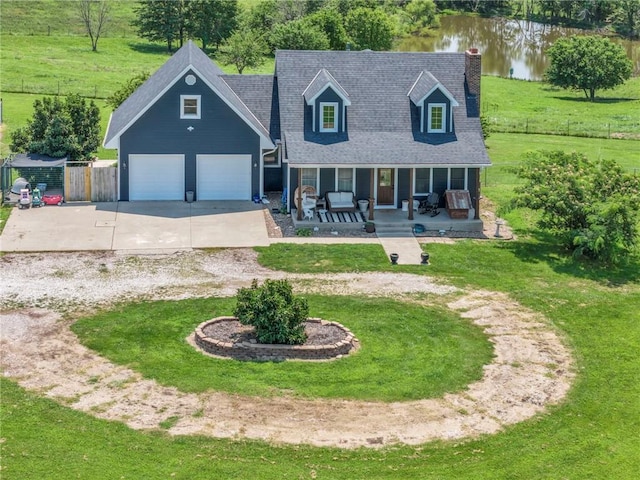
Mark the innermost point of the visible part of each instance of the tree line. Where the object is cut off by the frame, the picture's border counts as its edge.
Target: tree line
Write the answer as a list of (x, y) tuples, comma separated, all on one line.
[(621, 16)]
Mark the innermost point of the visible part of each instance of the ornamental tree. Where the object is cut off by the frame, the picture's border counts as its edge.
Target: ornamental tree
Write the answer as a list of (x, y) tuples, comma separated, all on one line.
[(592, 207), (587, 63), (277, 316)]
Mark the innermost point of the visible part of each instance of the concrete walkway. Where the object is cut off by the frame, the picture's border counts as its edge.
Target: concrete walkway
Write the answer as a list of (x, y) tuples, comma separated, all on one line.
[(407, 248)]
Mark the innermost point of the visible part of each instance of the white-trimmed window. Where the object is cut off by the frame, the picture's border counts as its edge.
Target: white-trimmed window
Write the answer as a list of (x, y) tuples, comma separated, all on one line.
[(422, 181), (310, 177), (328, 116), (190, 106), (345, 180), (437, 120)]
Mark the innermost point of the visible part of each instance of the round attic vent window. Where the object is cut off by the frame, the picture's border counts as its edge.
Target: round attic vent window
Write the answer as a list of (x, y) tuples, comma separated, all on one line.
[(190, 80)]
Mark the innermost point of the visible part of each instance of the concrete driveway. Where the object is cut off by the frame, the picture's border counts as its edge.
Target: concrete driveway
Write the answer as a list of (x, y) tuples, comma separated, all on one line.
[(135, 226)]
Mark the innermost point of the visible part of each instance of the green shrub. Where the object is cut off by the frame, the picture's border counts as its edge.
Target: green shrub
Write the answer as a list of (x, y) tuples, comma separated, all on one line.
[(276, 315)]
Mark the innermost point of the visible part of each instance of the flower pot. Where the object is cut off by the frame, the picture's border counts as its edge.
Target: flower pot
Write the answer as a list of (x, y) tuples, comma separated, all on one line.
[(369, 227), (394, 258), (424, 257)]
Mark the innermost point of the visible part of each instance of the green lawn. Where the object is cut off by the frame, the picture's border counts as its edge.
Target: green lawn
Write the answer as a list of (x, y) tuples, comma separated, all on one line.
[(408, 352), (593, 434)]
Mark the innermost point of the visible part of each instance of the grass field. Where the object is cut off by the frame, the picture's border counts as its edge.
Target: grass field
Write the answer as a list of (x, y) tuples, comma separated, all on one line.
[(411, 352), (535, 107), (592, 435)]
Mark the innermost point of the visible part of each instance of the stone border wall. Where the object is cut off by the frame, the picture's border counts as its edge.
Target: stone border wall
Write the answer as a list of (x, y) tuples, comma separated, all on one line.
[(271, 352)]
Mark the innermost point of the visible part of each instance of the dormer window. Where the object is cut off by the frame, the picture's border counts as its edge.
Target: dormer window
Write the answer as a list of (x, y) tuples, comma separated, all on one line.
[(190, 106), (329, 118), (437, 118), (435, 104), (328, 102)]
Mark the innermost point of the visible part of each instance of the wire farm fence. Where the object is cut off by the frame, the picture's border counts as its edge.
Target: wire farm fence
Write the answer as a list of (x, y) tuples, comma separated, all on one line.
[(60, 88), (504, 174), (569, 127)]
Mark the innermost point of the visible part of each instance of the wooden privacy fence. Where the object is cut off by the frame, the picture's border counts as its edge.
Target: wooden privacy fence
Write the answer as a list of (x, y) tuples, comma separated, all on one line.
[(90, 184)]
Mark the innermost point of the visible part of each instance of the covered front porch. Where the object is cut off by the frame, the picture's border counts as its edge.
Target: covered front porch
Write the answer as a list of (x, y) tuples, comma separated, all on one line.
[(387, 220), (385, 189)]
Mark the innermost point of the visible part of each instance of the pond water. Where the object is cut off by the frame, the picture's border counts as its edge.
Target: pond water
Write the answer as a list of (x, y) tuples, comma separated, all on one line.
[(503, 43)]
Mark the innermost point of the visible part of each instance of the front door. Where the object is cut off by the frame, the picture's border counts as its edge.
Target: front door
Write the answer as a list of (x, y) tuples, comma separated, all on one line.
[(385, 186)]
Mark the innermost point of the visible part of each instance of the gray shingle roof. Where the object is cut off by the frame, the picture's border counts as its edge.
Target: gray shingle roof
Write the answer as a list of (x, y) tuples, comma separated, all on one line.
[(381, 127), (189, 56), (260, 94)]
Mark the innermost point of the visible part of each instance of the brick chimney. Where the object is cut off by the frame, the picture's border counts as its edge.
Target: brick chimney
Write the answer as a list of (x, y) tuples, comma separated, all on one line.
[(472, 73)]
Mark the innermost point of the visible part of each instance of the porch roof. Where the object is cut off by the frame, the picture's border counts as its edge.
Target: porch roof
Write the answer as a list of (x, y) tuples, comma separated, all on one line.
[(386, 148)]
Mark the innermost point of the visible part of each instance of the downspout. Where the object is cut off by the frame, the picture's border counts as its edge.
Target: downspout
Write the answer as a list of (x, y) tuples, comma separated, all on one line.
[(269, 152)]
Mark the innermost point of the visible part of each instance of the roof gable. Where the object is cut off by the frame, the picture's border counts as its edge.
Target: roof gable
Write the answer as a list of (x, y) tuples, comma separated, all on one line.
[(187, 58), (424, 86), (320, 83)]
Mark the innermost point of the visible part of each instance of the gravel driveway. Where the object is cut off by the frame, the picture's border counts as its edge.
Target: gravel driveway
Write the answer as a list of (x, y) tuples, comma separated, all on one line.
[(532, 367)]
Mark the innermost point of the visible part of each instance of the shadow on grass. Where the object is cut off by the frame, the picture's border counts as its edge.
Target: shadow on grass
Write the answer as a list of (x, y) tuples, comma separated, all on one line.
[(150, 48), (543, 247), (596, 101)]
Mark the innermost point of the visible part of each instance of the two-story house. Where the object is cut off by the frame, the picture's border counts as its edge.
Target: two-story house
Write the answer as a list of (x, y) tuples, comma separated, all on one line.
[(386, 126)]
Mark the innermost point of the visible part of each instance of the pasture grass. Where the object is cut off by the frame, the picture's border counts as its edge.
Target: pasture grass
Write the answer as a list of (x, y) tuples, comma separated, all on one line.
[(592, 434), (537, 107), (407, 351), (507, 150)]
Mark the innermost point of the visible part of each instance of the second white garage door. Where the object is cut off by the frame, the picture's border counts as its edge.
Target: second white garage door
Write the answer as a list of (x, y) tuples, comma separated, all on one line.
[(224, 177), (156, 177)]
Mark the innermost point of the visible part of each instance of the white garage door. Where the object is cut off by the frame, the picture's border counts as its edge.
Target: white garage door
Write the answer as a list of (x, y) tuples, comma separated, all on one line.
[(224, 177), (156, 177)]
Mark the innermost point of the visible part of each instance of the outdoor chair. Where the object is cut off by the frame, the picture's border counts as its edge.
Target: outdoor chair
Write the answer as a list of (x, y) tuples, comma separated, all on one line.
[(430, 204), (308, 200)]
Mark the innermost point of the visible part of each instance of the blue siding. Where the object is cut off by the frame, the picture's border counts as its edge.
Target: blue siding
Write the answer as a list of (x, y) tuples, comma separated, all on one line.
[(363, 179), (473, 177), (161, 131), (403, 185), (440, 182), (327, 181)]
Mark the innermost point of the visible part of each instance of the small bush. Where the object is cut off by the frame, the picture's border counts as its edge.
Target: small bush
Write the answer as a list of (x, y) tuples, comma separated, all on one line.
[(277, 316), (303, 232)]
